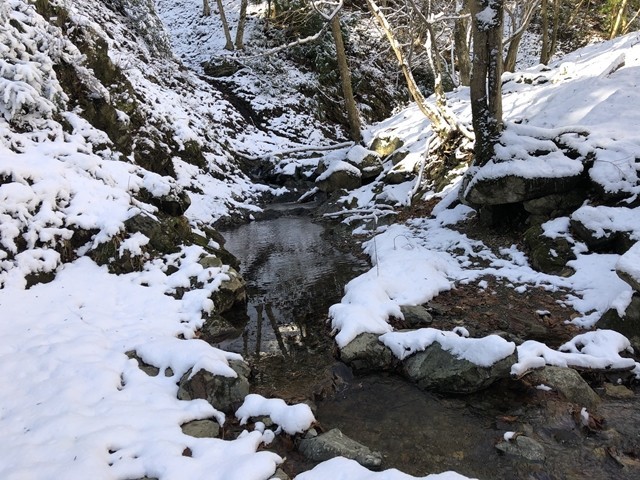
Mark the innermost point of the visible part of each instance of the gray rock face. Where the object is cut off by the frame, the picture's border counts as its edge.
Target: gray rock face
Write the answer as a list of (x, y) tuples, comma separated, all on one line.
[(340, 179), (217, 329), (370, 167), (512, 189), (523, 447), (224, 393), (201, 428), (366, 353), (335, 444), (416, 316), (618, 241), (556, 204), (629, 325), (438, 370), (566, 381)]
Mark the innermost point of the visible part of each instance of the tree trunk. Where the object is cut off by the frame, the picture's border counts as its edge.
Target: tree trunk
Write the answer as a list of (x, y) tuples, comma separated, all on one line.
[(345, 78), (206, 9), (242, 20), (461, 45), (225, 26), (617, 25), (556, 28), (544, 15), (486, 83), (512, 52)]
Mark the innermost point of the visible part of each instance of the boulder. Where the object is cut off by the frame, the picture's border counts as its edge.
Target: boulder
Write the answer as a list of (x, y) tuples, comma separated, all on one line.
[(547, 255), (556, 204), (173, 204), (217, 329), (230, 292), (398, 174), (513, 189), (628, 325), (523, 447), (566, 381), (368, 162), (336, 444), (341, 175), (617, 391), (224, 393), (220, 67), (606, 228), (385, 146), (437, 369), (416, 316), (201, 428), (366, 353)]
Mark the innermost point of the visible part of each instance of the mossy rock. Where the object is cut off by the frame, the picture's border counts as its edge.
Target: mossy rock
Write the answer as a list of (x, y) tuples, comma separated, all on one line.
[(548, 255), (230, 293)]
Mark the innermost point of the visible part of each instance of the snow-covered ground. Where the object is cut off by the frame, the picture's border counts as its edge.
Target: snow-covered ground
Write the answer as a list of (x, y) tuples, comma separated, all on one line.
[(74, 405)]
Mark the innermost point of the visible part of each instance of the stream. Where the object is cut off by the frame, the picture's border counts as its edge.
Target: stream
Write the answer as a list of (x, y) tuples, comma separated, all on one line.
[(294, 272)]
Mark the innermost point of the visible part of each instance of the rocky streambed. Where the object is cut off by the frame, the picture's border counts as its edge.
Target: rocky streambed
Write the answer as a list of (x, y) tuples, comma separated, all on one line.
[(551, 424)]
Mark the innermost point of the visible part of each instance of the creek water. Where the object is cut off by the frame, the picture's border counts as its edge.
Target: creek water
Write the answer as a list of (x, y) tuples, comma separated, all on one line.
[(294, 272)]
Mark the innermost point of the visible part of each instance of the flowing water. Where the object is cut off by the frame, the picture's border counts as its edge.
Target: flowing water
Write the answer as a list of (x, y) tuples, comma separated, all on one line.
[(294, 273)]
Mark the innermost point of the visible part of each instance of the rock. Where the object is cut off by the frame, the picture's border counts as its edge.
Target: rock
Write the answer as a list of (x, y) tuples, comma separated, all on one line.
[(523, 447), (385, 146), (231, 292), (617, 391), (224, 393), (366, 353), (335, 444), (513, 189), (547, 255), (605, 228), (173, 204), (566, 381), (628, 325), (150, 370), (216, 329), (416, 316), (436, 369), (201, 428), (335, 179), (368, 162), (165, 233), (398, 156), (220, 67), (556, 204), (398, 174)]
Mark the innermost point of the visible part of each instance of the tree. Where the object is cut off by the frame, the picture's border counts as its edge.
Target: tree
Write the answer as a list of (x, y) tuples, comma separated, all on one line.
[(206, 8), (461, 33), (486, 84), (242, 20), (549, 45), (353, 117), (225, 26), (520, 14)]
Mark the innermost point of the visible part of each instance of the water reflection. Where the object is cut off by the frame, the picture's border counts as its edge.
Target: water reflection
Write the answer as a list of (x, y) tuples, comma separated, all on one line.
[(293, 275)]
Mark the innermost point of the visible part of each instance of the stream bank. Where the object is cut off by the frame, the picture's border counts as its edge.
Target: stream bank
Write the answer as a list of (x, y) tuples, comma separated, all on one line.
[(294, 272)]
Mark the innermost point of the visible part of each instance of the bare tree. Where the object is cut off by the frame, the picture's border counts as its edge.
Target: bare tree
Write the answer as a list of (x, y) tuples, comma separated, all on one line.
[(520, 14), (206, 8), (351, 107), (461, 34), (549, 44), (486, 83), (225, 26), (242, 20)]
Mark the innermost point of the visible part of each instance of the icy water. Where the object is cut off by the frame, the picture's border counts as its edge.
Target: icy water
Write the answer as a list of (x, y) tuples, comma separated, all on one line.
[(294, 274)]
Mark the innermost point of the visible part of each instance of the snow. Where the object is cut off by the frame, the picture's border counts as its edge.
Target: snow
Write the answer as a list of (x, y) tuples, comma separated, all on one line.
[(74, 402), (291, 418), (340, 468), (483, 352), (629, 263), (599, 349)]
